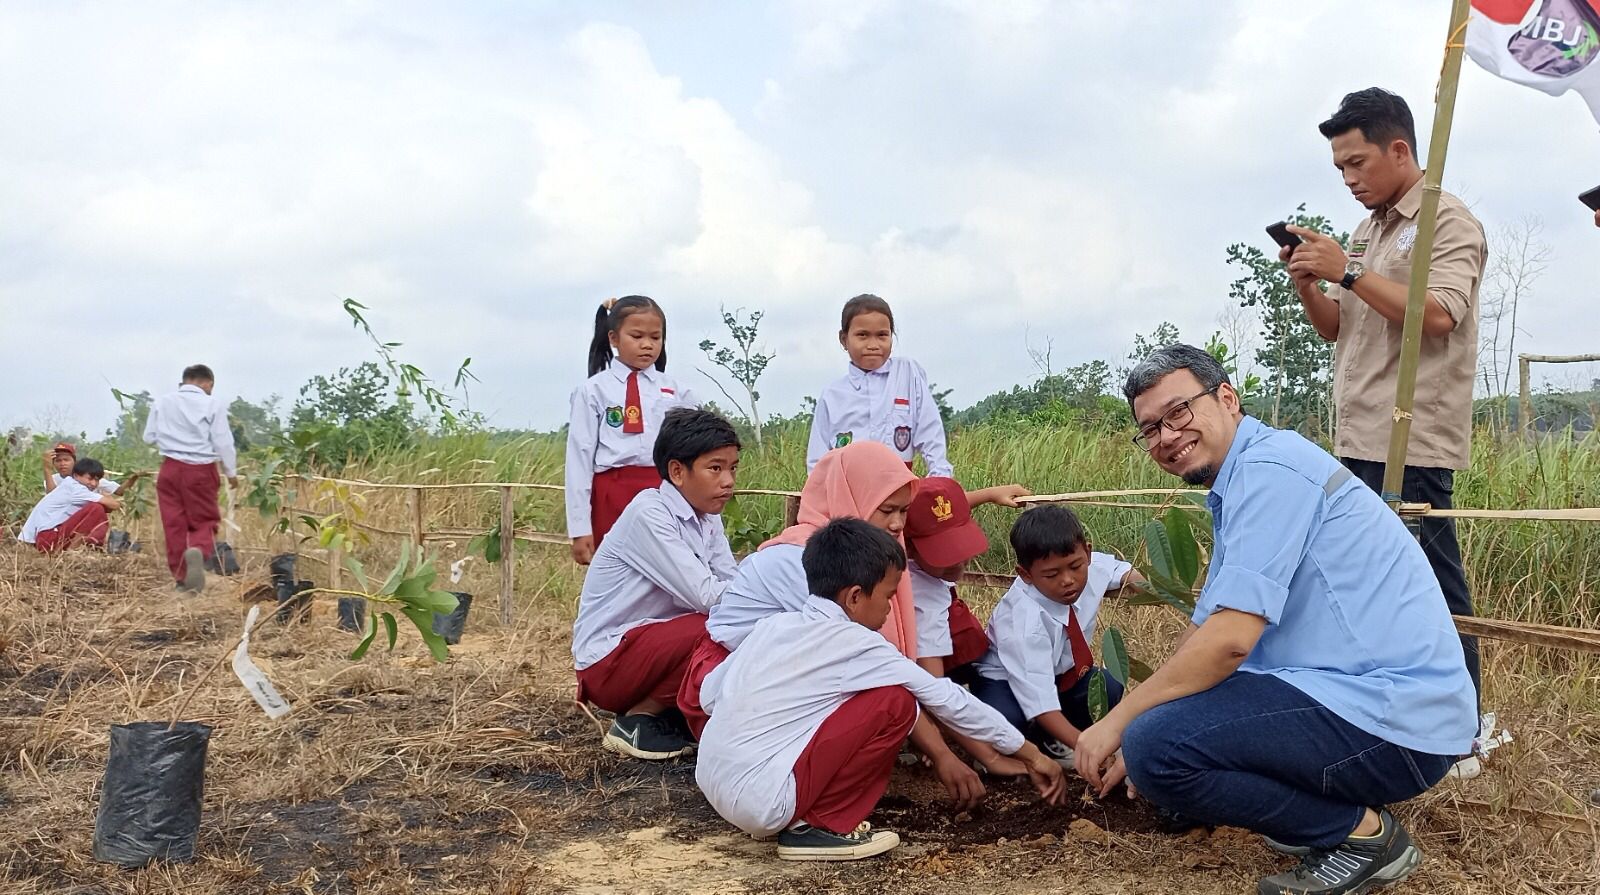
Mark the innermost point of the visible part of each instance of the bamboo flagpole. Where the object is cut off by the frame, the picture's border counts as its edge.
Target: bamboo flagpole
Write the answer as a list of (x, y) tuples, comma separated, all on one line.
[(1422, 252)]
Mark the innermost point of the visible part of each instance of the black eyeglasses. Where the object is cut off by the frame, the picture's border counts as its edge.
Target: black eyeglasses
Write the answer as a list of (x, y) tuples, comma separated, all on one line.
[(1176, 418)]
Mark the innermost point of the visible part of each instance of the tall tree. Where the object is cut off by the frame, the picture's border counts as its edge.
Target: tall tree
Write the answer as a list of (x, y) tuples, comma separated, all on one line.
[(1297, 364)]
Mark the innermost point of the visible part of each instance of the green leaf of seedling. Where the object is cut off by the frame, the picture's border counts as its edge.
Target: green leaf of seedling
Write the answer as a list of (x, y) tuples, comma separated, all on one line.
[(423, 621), (440, 601), (354, 565), (337, 541), (1159, 591), (1185, 551), (366, 639), (391, 628), (1099, 702), (1159, 545), (1114, 653), (1138, 670), (396, 574)]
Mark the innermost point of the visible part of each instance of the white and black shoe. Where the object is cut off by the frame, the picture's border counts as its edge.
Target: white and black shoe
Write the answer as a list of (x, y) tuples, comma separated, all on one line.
[(1355, 866), (803, 842), (649, 737), (194, 571)]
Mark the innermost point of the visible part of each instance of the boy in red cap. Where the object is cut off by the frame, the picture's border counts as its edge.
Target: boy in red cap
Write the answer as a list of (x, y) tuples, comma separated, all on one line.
[(941, 538), (58, 462)]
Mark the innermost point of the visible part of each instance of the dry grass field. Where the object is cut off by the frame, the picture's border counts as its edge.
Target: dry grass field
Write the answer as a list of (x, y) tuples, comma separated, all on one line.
[(398, 775)]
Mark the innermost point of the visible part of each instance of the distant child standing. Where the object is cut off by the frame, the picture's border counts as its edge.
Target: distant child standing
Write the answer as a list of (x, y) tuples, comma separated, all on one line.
[(1039, 664), (190, 430), (880, 398), (616, 414)]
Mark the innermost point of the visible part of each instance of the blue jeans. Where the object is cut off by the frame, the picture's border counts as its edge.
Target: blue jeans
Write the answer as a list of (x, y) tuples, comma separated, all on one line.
[(1256, 752), (1074, 703)]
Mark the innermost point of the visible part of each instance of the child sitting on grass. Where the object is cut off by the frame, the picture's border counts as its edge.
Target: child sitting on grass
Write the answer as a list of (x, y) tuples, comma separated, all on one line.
[(663, 566), (1038, 667), (74, 512), (808, 714)]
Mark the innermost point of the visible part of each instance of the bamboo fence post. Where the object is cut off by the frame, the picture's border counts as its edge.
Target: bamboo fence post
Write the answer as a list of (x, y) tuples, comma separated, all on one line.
[(508, 554), (1422, 253), (1524, 397), (416, 499), (791, 510)]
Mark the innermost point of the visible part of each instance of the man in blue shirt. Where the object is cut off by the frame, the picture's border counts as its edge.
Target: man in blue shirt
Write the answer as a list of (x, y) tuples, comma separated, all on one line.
[(1320, 677)]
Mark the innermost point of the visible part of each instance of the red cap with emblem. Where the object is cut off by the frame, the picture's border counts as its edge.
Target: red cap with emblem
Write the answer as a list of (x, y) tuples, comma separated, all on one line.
[(940, 524)]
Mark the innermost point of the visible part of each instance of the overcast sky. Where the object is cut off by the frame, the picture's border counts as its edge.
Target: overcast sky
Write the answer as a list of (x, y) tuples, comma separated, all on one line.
[(187, 183)]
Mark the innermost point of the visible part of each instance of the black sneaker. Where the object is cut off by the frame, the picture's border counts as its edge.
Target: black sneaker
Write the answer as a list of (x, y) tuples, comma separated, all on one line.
[(647, 737), (1354, 866), (803, 842), (1284, 848), (1174, 824)]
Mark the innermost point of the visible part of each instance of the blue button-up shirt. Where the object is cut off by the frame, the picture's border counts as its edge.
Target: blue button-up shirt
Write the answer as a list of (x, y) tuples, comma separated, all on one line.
[(1355, 617)]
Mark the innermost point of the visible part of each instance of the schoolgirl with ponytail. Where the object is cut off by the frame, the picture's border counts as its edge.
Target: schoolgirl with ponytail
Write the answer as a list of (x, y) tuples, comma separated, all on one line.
[(616, 414)]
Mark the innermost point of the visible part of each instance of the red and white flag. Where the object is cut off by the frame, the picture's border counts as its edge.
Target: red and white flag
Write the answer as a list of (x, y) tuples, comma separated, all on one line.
[(1549, 45)]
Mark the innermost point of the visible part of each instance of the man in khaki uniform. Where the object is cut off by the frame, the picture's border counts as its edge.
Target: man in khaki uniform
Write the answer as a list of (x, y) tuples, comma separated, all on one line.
[(1374, 144)]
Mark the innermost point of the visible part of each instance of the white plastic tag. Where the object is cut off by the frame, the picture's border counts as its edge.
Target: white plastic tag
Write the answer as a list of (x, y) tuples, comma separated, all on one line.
[(254, 681), (457, 569)]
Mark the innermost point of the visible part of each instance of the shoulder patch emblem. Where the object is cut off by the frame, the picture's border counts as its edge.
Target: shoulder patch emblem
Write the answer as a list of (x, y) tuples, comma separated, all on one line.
[(842, 439), (614, 416), (902, 437), (1359, 248)]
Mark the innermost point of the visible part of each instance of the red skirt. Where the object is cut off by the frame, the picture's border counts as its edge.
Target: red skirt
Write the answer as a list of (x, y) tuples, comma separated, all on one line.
[(968, 642), (613, 490)]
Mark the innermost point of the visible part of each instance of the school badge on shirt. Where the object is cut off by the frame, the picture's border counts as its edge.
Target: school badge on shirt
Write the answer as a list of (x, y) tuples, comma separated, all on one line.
[(614, 416), (842, 439), (902, 437)]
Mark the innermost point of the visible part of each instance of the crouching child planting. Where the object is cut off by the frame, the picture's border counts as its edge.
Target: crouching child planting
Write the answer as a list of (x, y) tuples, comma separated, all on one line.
[(808, 714)]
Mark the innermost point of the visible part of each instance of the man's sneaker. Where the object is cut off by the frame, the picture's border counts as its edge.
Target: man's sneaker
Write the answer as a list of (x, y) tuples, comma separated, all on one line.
[(1058, 752), (1355, 866), (647, 737), (194, 571), (803, 842)]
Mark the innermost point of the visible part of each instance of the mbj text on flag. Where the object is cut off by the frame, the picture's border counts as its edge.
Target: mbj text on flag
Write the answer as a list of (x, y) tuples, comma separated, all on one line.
[(1550, 45)]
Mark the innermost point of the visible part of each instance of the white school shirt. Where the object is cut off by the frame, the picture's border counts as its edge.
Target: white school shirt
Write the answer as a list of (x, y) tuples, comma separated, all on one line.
[(768, 581), (56, 508), (930, 597), (770, 697), (191, 427), (891, 404), (106, 485), (662, 560), (1028, 635), (595, 440)]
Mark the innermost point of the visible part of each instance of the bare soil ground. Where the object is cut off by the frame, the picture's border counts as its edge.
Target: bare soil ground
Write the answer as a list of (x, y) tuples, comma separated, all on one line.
[(396, 775)]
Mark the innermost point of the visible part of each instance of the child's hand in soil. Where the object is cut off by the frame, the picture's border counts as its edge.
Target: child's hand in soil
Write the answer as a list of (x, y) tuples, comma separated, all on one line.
[(961, 782), (1047, 778), (998, 765)]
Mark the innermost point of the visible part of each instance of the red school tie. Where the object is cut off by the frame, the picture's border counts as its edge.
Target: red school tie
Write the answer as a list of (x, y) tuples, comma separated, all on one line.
[(633, 413), (1082, 658)]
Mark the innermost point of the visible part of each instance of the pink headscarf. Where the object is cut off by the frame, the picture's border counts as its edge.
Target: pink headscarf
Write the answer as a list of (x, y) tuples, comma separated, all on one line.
[(854, 481)]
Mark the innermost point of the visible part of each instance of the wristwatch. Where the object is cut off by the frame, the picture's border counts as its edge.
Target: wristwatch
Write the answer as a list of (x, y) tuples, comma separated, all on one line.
[(1352, 272)]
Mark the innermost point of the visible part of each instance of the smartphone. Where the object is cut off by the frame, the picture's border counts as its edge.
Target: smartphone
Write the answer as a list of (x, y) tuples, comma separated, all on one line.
[(1280, 234), (1591, 199)]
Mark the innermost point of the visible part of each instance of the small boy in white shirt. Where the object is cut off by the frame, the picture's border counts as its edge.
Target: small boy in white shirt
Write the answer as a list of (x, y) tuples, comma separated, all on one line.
[(74, 512), (1040, 662), (808, 715), (657, 574)]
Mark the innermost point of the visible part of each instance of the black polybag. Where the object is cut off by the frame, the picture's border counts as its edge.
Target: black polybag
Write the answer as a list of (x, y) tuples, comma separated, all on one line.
[(282, 568), (449, 625), (151, 797), (352, 614)]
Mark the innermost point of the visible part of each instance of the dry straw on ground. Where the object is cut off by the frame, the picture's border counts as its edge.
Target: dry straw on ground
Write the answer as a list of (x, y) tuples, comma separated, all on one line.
[(396, 775)]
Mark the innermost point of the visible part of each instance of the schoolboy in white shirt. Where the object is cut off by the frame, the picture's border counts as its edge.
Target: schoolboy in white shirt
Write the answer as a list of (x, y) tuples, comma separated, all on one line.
[(73, 513), (190, 429), (664, 565), (808, 714), (58, 463), (1040, 662)]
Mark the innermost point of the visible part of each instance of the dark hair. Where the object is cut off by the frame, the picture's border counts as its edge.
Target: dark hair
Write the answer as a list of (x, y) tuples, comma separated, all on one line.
[(865, 303), (89, 467), (198, 373), (1381, 117), (1046, 530), (1170, 359), (689, 433), (609, 320), (848, 553)]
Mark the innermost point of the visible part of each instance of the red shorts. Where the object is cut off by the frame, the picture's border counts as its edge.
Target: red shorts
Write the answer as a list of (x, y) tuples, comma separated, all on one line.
[(648, 664), (87, 526), (613, 490), (708, 654), (843, 771)]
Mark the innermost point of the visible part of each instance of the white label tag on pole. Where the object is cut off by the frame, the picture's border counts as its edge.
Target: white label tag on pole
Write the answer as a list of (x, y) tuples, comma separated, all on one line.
[(457, 569), (254, 681)]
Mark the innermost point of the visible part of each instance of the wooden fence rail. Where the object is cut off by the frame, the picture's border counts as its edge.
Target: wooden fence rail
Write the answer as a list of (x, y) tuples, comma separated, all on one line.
[(1579, 639)]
